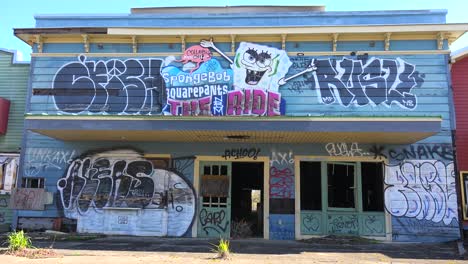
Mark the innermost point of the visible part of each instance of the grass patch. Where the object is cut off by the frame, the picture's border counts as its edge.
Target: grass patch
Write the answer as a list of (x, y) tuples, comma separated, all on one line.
[(222, 249), (18, 241), (19, 244)]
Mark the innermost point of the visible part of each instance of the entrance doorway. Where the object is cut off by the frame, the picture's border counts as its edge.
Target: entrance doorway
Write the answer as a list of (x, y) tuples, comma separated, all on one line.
[(247, 199), (342, 198), (231, 202)]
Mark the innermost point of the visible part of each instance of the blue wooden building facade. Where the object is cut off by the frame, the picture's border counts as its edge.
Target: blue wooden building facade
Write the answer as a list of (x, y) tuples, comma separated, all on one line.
[(283, 122)]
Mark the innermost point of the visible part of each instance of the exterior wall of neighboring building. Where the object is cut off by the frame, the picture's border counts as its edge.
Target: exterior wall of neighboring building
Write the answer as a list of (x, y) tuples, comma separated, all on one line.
[(459, 73), (13, 87), (133, 184)]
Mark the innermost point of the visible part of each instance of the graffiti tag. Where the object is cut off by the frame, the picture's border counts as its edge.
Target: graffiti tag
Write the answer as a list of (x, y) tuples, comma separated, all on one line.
[(213, 221), (240, 153), (344, 150), (114, 86), (422, 190), (423, 152), (281, 183), (367, 82)]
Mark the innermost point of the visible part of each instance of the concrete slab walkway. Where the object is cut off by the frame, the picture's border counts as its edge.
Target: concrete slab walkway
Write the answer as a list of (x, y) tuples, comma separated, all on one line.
[(121, 249)]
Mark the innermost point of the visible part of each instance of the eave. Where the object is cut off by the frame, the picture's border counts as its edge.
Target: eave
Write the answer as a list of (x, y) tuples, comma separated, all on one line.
[(385, 130), (449, 32)]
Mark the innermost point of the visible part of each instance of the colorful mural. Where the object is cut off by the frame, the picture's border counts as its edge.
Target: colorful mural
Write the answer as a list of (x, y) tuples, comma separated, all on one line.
[(199, 83), (250, 87), (195, 84)]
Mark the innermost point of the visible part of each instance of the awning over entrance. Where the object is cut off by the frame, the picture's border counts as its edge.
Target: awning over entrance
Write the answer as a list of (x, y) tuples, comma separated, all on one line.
[(4, 110), (391, 130)]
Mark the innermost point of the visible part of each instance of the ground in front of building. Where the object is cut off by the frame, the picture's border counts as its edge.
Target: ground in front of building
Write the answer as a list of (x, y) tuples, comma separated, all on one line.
[(121, 249)]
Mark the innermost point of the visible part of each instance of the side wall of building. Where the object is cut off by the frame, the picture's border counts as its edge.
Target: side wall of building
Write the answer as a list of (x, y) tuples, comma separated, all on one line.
[(13, 87), (14, 78)]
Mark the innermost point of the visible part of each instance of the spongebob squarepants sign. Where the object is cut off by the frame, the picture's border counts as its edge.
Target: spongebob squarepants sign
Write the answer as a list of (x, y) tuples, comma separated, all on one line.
[(202, 86)]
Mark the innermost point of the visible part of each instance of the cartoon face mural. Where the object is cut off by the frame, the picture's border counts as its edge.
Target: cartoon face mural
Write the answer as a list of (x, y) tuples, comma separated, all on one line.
[(249, 88), (259, 67), (119, 192)]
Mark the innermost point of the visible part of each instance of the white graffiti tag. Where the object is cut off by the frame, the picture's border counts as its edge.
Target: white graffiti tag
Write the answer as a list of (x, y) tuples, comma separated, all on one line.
[(281, 158), (345, 150), (422, 189)]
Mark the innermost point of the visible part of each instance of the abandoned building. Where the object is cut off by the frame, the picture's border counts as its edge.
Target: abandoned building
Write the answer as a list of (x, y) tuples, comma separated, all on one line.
[(277, 122)]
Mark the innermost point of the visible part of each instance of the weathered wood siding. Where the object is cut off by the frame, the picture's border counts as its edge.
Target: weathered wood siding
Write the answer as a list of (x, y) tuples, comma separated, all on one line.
[(460, 97), (422, 205), (13, 86)]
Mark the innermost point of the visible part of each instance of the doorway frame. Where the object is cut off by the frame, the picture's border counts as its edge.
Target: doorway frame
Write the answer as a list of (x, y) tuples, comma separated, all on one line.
[(297, 197), (266, 186)]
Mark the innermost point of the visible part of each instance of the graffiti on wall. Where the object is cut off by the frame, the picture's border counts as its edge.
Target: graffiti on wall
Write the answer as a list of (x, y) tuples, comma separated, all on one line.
[(422, 189), (28, 199), (214, 221), (195, 84), (41, 159), (198, 83), (343, 224), (96, 183), (282, 175), (311, 222), (281, 183), (362, 81), (343, 149), (240, 153), (114, 86), (422, 152), (250, 87), (281, 158)]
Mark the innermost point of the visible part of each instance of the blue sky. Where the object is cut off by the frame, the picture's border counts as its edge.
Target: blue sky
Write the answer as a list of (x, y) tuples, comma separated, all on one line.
[(20, 13)]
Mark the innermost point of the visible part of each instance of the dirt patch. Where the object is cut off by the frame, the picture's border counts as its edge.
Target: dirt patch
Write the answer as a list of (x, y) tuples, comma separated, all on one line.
[(33, 253)]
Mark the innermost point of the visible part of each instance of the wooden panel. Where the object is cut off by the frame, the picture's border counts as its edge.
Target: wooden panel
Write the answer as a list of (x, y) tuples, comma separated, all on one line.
[(312, 223), (372, 224), (28, 199), (6, 213), (343, 223), (215, 185)]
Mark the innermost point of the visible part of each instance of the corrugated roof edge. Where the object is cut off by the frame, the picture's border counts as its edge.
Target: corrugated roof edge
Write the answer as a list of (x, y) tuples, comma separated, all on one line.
[(14, 59)]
